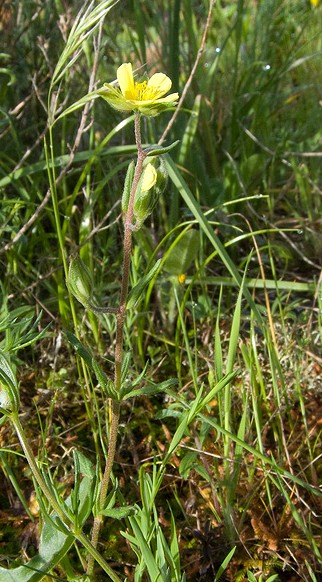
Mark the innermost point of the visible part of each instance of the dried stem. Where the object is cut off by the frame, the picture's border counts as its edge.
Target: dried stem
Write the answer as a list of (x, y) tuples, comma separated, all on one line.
[(191, 76)]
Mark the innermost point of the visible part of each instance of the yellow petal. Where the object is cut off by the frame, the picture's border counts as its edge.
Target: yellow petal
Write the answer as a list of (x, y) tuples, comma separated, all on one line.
[(149, 178), (159, 84), (126, 81), (168, 98)]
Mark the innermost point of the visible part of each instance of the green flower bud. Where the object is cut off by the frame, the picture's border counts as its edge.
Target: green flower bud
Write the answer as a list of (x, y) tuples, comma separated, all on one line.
[(79, 281), (151, 185)]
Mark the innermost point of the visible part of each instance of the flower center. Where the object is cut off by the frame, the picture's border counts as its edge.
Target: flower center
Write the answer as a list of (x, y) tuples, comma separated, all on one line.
[(143, 92)]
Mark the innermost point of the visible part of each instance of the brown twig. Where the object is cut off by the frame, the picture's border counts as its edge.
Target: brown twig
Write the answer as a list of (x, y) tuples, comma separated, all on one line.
[(191, 76)]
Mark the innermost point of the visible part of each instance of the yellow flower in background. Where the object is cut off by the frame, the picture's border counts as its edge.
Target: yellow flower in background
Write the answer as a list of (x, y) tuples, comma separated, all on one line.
[(182, 278), (146, 96), (315, 3)]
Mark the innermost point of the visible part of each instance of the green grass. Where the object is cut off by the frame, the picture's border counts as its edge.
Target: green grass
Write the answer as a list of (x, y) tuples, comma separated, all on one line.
[(218, 460)]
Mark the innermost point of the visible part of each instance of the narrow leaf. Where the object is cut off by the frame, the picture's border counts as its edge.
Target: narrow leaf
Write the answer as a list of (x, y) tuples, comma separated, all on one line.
[(182, 253), (195, 208), (137, 291), (119, 512), (157, 150)]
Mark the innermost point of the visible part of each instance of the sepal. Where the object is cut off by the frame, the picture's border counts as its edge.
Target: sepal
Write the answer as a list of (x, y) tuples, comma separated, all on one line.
[(158, 150), (127, 187)]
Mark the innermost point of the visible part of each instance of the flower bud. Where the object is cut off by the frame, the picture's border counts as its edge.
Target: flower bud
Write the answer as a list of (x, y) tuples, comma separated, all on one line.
[(149, 178), (79, 281), (151, 185)]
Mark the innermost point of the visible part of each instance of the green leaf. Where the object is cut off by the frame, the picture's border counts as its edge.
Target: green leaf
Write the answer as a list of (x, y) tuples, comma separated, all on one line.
[(224, 564), (120, 512), (127, 186), (182, 253), (147, 554), (7, 371), (83, 352), (54, 544), (105, 383), (125, 370), (9, 392), (190, 132), (193, 410), (82, 495), (174, 546), (223, 382), (157, 150), (196, 210), (149, 389), (77, 105), (187, 463), (137, 291), (21, 329)]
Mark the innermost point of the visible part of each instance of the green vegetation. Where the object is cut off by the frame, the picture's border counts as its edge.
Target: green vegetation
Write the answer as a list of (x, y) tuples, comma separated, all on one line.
[(180, 439)]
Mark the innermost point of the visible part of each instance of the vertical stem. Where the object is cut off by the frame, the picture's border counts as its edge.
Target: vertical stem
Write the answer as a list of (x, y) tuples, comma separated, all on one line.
[(120, 319), (127, 247)]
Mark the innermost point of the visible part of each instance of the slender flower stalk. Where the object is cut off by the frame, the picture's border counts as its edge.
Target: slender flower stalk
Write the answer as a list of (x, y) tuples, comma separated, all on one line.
[(120, 319)]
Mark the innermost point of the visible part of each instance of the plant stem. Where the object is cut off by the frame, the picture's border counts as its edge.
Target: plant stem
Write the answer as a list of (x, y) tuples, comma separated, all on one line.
[(36, 472), (120, 319), (50, 496)]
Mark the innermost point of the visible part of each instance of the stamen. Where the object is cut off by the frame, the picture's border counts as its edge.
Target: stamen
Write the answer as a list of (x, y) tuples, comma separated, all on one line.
[(140, 90)]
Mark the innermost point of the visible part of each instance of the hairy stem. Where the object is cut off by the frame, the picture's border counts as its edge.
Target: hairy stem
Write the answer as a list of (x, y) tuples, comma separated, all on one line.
[(120, 320)]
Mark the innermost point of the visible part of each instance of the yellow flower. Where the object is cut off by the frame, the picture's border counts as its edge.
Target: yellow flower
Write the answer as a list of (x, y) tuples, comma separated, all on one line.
[(315, 3), (145, 97)]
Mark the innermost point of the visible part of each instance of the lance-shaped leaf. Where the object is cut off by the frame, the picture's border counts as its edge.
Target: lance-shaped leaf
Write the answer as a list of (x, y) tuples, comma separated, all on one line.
[(137, 291), (157, 150), (182, 253), (103, 380)]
